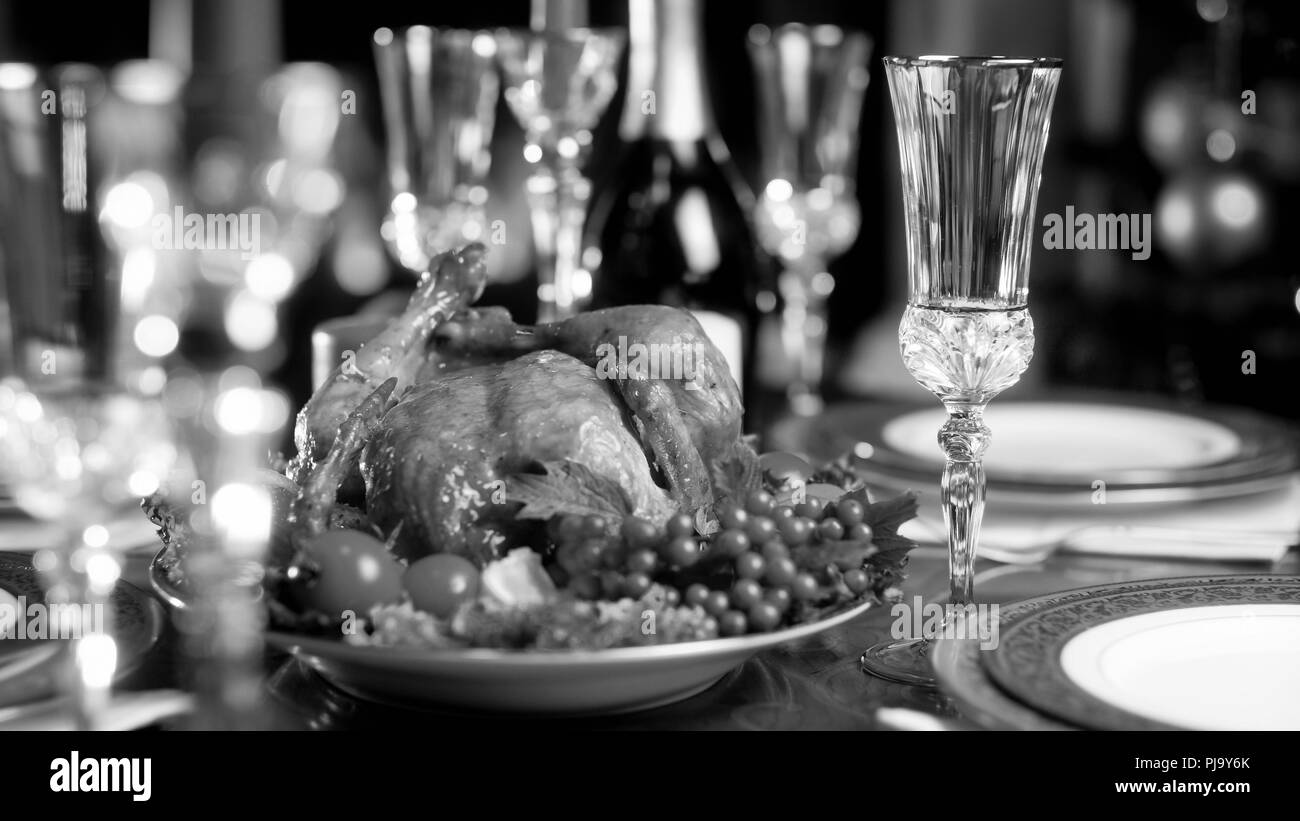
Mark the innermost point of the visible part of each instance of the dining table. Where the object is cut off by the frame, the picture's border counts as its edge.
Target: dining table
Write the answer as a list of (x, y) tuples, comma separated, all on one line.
[(812, 684)]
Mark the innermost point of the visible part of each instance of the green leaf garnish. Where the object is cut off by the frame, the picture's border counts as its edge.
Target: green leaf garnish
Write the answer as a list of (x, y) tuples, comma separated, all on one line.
[(568, 487), (737, 474)]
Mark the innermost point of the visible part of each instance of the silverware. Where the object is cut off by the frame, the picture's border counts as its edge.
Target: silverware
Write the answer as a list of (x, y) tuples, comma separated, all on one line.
[(1148, 541)]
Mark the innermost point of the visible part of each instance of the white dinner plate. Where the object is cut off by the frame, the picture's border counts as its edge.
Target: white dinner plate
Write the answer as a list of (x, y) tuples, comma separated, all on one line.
[(1065, 439), (1227, 667), (562, 682), (559, 682), (1202, 652)]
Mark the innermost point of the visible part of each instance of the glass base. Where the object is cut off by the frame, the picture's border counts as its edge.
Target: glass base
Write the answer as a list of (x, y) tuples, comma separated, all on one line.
[(906, 662)]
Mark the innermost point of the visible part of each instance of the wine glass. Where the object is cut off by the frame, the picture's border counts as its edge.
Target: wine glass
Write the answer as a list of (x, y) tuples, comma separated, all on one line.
[(82, 437), (558, 83), (268, 166), (439, 91), (810, 82), (972, 132)]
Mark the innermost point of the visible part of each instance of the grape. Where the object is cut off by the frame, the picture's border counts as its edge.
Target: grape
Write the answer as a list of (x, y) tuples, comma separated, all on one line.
[(830, 530), (579, 557), (559, 576), (804, 587), (611, 584), (564, 556), (778, 596), (759, 503), (775, 549), (696, 595), (636, 585), (760, 529), (746, 593), (680, 525), (732, 623), (642, 561), (640, 533), (781, 572), (796, 530), (672, 596), (860, 532), (810, 510), (585, 586), (733, 518), (569, 529), (593, 527), (782, 512), (731, 543), (750, 566), (764, 617), (612, 555), (591, 554), (849, 511), (717, 603), (681, 551), (857, 580)]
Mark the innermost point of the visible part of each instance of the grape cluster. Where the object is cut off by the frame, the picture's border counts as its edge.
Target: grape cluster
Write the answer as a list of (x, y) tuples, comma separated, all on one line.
[(748, 576), (595, 564)]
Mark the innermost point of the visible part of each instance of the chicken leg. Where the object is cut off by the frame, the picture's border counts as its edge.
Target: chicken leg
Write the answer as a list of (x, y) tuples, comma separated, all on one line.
[(455, 280)]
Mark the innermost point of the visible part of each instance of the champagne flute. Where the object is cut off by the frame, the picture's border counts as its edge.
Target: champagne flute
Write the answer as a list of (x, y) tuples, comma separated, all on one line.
[(972, 132), (810, 82), (558, 83), (439, 93)]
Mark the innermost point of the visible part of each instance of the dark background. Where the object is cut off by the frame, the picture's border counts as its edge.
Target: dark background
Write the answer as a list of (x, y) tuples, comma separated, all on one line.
[(1176, 324)]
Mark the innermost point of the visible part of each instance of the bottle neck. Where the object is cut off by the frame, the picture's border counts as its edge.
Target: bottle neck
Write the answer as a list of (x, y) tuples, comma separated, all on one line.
[(667, 97)]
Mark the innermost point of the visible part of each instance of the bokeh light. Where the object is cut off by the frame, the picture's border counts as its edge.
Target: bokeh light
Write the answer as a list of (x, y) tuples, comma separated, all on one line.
[(156, 335)]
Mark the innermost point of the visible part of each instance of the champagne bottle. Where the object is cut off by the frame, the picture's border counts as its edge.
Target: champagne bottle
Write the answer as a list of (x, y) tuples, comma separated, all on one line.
[(672, 226)]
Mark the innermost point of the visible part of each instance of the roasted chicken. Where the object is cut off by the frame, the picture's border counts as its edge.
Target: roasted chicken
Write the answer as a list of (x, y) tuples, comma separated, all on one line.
[(449, 401)]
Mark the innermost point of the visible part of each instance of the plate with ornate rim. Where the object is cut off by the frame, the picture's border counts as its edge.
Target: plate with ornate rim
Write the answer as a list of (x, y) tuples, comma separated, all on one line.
[(560, 682), (962, 678), (1201, 652), (29, 667)]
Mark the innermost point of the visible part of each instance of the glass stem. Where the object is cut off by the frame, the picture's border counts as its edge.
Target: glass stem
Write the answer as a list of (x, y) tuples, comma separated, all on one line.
[(803, 335), (223, 629), (964, 439), (557, 199)]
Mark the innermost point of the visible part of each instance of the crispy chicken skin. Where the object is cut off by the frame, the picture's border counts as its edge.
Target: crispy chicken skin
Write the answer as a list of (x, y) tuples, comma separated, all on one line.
[(438, 462), (687, 424)]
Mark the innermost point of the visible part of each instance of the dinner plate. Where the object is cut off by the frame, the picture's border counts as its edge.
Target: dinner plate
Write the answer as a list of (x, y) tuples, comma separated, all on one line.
[(1205, 652), (961, 677), (1054, 451), (560, 682), (29, 668), (1115, 440)]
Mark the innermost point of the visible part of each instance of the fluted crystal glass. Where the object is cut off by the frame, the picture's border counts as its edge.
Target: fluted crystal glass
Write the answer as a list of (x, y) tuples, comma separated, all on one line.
[(809, 81), (558, 83), (972, 132), (439, 91)]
